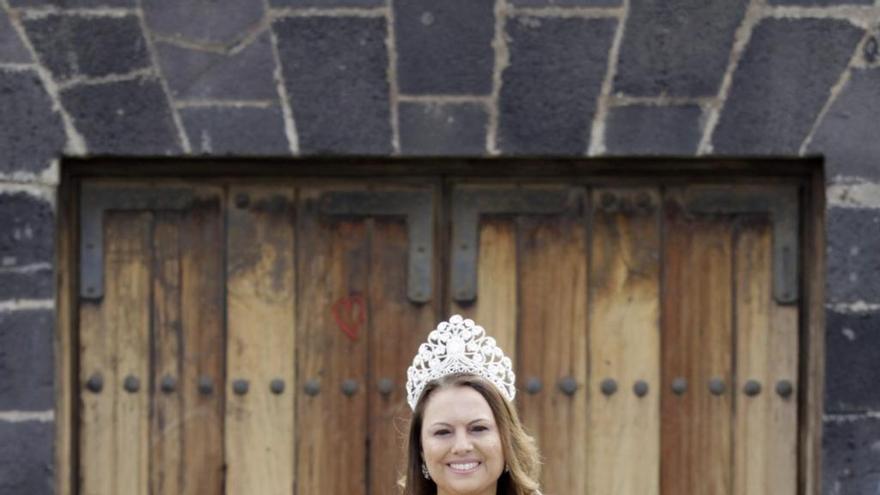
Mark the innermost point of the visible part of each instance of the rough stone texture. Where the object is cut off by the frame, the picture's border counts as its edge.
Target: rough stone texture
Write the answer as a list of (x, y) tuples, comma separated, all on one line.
[(26, 359), (244, 75), (853, 351), (31, 132), (26, 458), (123, 118), (12, 50), (27, 230), (444, 47), (852, 456), (451, 129), (653, 130), (677, 48), (75, 45), (565, 3), (853, 255), (849, 135), (236, 131), (38, 284), (335, 70), (327, 3), (221, 22), (70, 4), (549, 91), (781, 83), (820, 3)]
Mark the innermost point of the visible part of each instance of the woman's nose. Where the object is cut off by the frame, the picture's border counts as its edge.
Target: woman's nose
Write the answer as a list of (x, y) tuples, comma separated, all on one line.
[(462, 443)]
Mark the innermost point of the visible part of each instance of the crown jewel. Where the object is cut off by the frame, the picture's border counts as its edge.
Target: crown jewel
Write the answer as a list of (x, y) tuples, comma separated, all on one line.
[(459, 346)]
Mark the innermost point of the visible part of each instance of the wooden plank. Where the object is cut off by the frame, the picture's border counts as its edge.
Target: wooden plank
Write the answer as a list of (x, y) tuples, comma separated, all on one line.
[(166, 441), (812, 398), (260, 302), (765, 455), (65, 341), (624, 342), (553, 344), (697, 344), (114, 341), (203, 346), (331, 427), (396, 329), (495, 308)]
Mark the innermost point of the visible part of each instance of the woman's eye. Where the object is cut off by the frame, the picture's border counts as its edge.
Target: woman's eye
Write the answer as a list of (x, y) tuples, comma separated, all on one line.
[(480, 428), (441, 432)]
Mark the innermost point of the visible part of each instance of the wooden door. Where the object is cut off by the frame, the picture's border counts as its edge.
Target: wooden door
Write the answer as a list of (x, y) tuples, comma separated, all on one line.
[(246, 338)]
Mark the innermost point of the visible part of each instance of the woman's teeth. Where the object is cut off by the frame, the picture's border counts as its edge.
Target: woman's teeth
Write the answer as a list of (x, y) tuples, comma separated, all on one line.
[(464, 467)]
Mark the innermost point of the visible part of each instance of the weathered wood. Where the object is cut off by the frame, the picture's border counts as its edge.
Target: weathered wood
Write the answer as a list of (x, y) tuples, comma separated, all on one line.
[(203, 346), (697, 344), (331, 427), (765, 435), (166, 441), (396, 328), (624, 343), (66, 378), (260, 346), (812, 399), (114, 341), (553, 344)]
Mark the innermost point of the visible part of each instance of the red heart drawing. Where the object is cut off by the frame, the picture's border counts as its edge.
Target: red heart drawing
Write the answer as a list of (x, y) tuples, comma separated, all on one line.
[(350, 314)]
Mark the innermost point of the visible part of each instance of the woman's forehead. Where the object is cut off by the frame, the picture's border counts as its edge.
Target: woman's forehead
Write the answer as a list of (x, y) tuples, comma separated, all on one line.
[(456, 405)]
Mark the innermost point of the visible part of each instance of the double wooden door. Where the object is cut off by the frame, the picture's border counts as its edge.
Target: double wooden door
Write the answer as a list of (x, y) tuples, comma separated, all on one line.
[(253, 338)]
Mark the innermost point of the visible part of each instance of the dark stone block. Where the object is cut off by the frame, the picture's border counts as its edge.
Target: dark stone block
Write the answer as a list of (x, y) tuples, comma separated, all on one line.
[(653, 130), (327, 3), (851, 371), (222, 22), (848, 135), (450, 129), (245, 75), (820, 3), (65, 4), (36, 284), (853, 256), (31, 132), (444, 47), (123, 118), (75, 45), (27, 458), (27, 230), (336, 73), (12, 50), (677, 48), (781, 83), (565, 3), (236, 131), (549, 90), (26, 360), (851, 455)]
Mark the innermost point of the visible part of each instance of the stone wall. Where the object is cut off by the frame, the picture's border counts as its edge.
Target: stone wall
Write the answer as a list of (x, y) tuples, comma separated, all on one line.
[(174, 78)]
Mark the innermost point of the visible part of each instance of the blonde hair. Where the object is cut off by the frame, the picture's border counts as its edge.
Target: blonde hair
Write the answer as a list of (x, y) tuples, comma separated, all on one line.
[(520, 451)]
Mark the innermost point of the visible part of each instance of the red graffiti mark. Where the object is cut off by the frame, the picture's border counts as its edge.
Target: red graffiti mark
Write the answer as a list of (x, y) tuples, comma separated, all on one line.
[(350, 314)]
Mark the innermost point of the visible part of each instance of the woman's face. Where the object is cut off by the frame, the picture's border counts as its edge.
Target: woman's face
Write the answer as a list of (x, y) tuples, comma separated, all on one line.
[(460, 442)]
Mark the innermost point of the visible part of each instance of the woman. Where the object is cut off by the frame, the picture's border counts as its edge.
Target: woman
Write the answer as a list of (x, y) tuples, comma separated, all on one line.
[(465, 437)]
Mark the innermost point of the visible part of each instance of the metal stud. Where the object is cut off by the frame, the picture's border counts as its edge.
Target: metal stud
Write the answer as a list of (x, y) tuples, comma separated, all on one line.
[(752, 388), (534, 385), (95, 383), (568, 385), (349, 387), (277, 386), (168, 384), (784, 388), (608, 386), (679, 386), (240, 386), (386, 386), (608, 201), (131, 384), (206, 385), (242, 200), (716, 386), (640, 388), (312, 387)]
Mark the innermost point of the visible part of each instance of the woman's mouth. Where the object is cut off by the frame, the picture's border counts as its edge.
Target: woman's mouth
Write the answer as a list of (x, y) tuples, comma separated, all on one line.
[(464, 467)]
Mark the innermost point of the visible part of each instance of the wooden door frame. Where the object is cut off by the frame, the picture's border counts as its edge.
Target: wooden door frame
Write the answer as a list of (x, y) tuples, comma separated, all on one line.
[(807, 173)]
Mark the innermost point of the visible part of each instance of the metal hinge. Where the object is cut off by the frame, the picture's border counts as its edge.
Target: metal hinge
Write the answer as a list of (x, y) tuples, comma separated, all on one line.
[(467, 207), (97, 199), (418, 209), (781, 203)]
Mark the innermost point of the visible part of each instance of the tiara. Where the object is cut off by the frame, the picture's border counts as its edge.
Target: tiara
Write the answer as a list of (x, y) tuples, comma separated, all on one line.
[(459, 346)]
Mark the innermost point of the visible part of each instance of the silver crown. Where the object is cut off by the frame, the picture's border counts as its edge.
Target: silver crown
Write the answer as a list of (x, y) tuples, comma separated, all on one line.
[(459, 346)]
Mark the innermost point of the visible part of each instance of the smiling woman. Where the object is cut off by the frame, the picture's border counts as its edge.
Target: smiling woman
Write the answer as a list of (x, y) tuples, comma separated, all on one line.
[(465, 437)]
